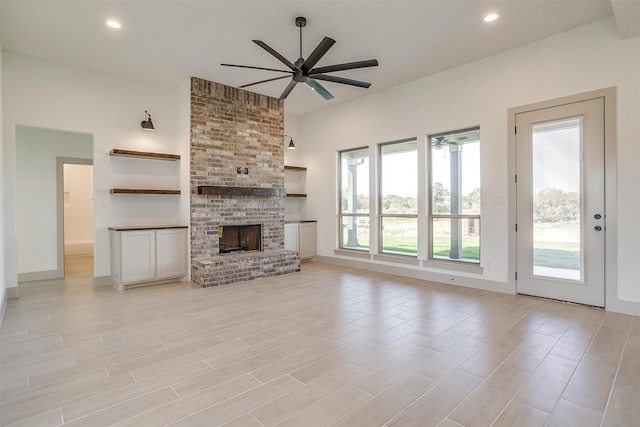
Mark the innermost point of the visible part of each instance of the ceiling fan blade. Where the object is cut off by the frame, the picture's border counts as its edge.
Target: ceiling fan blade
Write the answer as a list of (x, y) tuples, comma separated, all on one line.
[(318, 88), (342, 80), (265, 81), (255, 68), (281, 58), (288, 89), (318, 53), (345, 66)]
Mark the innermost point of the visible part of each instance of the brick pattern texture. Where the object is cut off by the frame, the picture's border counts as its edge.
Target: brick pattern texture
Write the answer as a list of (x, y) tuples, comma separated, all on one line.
[(233, 128)]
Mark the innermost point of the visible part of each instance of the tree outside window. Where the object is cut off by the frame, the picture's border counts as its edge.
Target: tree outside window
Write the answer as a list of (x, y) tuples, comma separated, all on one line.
[(399, 197), (354, 199), (455, 195)]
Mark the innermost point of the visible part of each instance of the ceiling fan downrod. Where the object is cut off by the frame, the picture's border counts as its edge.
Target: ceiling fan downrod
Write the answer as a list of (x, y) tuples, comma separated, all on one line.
[(301, 21)]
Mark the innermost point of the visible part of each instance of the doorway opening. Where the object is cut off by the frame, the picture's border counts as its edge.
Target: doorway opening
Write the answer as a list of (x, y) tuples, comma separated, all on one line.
[(78, 244), (40, 156), (562, 157)]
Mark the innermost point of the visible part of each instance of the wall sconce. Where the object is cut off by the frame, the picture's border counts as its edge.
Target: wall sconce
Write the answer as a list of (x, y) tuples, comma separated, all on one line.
[(147, 124), (291, 145)]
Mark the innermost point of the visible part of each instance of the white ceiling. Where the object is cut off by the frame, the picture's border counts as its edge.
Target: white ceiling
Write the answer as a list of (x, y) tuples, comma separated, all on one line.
[(164, 41)]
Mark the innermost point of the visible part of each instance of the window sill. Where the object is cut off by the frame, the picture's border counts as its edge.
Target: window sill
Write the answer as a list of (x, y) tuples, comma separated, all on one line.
[(461, 266), (355, 253), (398, 259)]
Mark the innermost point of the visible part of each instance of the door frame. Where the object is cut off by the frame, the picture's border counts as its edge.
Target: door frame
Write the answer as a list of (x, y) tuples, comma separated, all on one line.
[(60, 162), (610, 165)]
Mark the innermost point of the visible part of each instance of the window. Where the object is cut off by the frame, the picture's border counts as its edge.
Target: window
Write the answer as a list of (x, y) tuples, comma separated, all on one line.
[(354, 199), (454, 208), (399, 198)]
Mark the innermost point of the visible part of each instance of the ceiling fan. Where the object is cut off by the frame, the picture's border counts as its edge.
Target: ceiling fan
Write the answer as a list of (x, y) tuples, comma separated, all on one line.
[(303, 71)]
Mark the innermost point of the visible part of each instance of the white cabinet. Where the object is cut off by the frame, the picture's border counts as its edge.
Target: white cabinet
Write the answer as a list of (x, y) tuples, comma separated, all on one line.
[(171, 254), (307, 240), (147, 255), (137, 260), (291, 236), (301, 237)]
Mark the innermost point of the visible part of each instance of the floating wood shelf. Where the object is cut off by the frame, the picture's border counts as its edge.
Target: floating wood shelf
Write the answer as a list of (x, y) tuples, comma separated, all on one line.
[(296, 195), (294, 168), (143, 191), (143, 154), (212, 190)]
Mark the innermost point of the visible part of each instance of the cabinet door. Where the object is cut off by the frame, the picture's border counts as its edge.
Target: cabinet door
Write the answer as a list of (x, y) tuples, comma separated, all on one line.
[(307, 240), (171, 257), (291, 237), (138, 256)]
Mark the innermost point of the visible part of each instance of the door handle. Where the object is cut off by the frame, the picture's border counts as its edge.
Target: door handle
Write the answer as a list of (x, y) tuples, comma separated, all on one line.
[(597, 228)]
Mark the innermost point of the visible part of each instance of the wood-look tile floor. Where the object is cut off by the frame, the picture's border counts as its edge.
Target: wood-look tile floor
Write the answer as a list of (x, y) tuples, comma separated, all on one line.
[(326, 346)]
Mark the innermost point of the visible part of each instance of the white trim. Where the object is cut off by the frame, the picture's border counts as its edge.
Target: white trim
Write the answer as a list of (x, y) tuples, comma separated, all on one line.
[(3, 305), (397, 259), (466, 267), (9, 293), (421, 273), (612, 303), (102, 281), (35, 276), (60, 162)]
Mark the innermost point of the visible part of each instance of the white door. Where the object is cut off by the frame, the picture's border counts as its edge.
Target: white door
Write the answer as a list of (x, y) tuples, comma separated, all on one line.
[(560, 202)]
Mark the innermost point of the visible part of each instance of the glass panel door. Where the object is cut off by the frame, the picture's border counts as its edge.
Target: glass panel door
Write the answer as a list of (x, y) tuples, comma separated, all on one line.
[(556, 182), (560, 202)]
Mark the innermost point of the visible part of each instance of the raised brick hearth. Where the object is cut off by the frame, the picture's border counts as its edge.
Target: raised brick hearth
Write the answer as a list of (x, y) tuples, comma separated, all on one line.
[(230, 129)]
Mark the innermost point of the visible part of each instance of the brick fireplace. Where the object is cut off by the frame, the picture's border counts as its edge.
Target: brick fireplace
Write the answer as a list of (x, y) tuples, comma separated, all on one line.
[(237, 179)]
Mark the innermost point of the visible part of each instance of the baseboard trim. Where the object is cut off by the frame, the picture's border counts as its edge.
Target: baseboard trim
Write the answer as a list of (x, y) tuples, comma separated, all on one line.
[(12, 292), (40, 275), (621, 306), (102, 281), (9, 293), (422, 274), (3, 304)]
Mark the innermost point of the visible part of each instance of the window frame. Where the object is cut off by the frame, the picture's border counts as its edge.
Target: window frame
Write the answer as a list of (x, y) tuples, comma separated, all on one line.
[(430, 217), (380, 200), (355, 216)]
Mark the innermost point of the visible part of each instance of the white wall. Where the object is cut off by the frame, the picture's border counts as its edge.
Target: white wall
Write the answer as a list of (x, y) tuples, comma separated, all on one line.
[(78, 209), (3, 277), (480, 93), (36, 192), (42, 94)]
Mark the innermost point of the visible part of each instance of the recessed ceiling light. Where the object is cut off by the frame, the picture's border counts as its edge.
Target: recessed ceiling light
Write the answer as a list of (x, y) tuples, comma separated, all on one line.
[(114, 24), (491, 17)]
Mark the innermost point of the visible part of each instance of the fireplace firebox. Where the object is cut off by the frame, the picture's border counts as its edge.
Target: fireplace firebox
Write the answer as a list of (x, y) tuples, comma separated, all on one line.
[(239, 238)]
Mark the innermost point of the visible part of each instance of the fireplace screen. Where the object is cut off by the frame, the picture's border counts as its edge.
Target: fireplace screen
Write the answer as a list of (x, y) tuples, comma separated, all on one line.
[(240, 238)]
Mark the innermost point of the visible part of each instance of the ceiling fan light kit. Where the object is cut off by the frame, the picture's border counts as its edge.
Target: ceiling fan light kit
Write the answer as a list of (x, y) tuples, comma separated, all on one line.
[(304, 70)]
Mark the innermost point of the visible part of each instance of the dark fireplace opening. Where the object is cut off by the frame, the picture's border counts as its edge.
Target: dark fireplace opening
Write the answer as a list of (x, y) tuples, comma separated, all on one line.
[(240, 238)]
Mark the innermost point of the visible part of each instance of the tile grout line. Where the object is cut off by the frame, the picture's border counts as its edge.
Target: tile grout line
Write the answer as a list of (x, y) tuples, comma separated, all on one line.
[(575, 370), (615, 377), (229, 398), (498, 367)]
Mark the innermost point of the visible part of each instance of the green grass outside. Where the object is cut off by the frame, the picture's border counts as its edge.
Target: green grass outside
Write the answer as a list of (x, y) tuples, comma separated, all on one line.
[(557, 255), (553, 254)]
